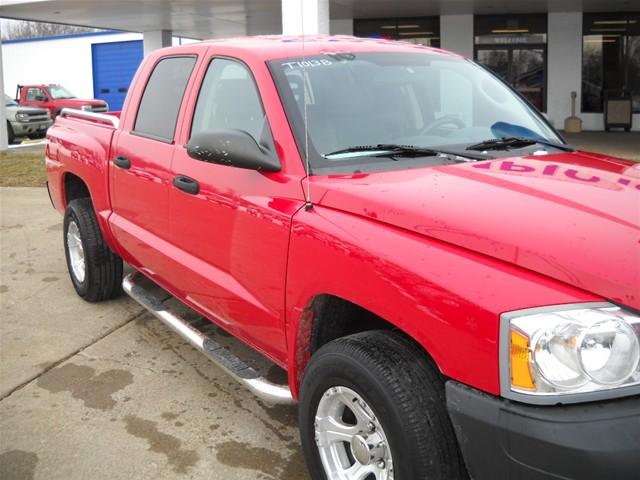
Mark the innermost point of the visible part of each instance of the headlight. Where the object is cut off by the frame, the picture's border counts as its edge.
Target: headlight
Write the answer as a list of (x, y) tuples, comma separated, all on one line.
[(22, 117), (570, 353), (85, 107)]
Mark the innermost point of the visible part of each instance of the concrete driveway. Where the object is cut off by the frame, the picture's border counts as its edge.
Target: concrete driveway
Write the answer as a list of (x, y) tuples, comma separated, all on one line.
[(92, 391)]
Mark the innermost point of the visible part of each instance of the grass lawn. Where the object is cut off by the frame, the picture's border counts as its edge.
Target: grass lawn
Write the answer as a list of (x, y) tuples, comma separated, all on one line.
[(22, 169)]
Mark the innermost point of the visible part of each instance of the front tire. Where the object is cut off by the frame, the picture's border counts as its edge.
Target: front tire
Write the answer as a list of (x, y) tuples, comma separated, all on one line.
[(95, 270), (372, 407), (10, 135)]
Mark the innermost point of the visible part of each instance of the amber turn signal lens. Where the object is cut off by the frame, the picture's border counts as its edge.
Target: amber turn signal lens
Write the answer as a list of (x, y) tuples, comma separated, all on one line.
[(519, 353)]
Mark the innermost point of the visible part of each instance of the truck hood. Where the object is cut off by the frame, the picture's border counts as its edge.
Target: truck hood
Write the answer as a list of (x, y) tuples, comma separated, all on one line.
[(32, 110), (574, 217)]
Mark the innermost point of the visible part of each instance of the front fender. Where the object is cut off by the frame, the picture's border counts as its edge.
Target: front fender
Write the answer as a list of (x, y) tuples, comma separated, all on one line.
[(447, 298)]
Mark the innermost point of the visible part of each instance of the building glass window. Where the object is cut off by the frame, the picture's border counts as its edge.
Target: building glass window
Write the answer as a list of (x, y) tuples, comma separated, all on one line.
[(422, 30), (515, 48), (610, 59)]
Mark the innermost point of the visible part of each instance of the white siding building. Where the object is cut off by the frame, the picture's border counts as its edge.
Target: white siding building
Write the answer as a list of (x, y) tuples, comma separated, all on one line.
[(94, 65)]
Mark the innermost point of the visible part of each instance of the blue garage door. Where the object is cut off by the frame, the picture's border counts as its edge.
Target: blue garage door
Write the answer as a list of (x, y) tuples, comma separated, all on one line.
[(114, 65)]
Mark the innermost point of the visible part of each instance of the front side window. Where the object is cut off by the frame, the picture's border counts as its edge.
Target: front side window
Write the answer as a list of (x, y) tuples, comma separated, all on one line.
[(426, 100), (35, 94), (58, 92), (228, 99), (162, 97)]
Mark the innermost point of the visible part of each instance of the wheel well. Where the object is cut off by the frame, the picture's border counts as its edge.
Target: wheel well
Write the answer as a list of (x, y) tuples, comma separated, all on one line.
[(334, 317), (329, 317), (74, 188)]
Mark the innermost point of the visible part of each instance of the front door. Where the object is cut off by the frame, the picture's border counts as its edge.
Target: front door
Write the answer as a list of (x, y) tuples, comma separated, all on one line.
[(140, 169), (522, 66), (232, 229), (36, 97)]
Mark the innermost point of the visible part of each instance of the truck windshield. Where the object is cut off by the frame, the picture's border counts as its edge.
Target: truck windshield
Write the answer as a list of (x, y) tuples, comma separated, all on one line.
[(8, 101), (58, 92), (427, 100)]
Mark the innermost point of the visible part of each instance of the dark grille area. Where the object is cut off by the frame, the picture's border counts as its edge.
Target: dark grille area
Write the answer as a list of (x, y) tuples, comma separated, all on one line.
[(33, 117)]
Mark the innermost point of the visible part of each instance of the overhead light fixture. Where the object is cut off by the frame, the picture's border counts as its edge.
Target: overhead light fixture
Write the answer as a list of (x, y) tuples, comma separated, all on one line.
[(388, 27), (415, 33), (511, 30), (614, 22), (588, 40), (408, 26), (608, 29)]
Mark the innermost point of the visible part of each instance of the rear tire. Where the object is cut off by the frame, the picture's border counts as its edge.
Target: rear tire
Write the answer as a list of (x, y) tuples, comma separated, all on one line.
[(95, 270), (410, 431)]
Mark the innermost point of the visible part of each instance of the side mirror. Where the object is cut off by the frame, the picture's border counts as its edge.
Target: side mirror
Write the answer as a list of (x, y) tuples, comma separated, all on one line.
[(235, 148), (41, 98)]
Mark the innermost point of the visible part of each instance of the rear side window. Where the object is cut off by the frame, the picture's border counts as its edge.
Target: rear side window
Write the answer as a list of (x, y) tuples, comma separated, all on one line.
[(162, 97)]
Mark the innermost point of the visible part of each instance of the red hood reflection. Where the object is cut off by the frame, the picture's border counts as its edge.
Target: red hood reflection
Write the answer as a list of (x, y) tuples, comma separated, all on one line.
[(574, 217)]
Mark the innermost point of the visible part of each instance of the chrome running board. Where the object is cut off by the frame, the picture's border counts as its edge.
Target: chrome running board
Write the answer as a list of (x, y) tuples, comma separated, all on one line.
[(222, 356)]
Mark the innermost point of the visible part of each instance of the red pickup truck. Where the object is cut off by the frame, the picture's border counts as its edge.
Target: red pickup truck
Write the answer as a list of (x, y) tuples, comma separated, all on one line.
[(55, 97), (453, 290)]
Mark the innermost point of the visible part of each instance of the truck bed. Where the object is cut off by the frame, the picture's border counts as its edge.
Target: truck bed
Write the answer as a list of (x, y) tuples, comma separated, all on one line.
[(79, 143)]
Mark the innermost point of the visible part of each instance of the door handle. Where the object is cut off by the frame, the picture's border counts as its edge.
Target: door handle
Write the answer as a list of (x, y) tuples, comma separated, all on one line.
[(122, 162), (186, 184)]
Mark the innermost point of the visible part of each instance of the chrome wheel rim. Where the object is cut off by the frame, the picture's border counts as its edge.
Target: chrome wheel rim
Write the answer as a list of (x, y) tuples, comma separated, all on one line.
[(76, 251), (350, 438)]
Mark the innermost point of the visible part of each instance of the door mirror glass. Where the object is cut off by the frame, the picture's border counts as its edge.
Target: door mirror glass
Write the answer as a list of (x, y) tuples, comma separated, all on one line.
[(235, 148), (229, 124), (41, 98)]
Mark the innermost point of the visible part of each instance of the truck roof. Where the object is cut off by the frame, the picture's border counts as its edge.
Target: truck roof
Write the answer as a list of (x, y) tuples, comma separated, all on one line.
[(272, 47)]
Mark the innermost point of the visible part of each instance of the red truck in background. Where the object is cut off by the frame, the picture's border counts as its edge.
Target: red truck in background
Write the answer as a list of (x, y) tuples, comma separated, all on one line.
[(453, 290), (55, 97)]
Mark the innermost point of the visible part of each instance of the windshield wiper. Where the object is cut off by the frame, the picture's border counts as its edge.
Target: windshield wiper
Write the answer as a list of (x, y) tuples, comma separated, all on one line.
[(505, 143), (395, 150)]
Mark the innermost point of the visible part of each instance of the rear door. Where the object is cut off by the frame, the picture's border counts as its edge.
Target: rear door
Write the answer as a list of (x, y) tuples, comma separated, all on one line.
[(140, 167), (232, 233)]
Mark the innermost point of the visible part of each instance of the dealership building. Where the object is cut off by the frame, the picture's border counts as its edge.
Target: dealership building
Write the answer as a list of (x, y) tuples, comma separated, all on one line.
[(545, 49)]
